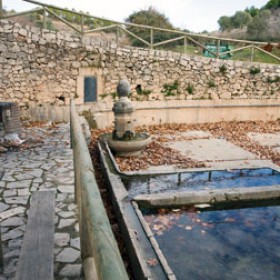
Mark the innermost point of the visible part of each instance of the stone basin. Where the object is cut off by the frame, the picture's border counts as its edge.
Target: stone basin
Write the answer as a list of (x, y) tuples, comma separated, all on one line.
[(127, 148)]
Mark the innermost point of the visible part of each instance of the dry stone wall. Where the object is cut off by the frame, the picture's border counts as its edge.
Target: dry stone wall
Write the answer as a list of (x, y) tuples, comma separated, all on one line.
[(42, 67)]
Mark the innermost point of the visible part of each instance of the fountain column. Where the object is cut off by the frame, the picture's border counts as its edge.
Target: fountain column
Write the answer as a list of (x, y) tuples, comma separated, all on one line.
[(124, 140), (123, 109)]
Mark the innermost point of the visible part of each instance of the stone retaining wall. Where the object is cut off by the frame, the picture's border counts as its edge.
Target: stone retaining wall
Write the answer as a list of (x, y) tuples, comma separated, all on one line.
[(42, 67), (9, 118)]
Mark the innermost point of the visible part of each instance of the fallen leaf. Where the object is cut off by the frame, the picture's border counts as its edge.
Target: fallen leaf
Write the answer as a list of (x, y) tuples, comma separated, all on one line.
[(152, 262), (230, 220)]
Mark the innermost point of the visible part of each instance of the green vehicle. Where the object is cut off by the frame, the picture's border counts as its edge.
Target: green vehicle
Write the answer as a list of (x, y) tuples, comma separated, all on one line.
[(213, 48)]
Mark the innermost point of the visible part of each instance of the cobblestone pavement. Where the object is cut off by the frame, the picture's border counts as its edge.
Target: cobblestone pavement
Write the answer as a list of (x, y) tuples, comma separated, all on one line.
[(44, 162)]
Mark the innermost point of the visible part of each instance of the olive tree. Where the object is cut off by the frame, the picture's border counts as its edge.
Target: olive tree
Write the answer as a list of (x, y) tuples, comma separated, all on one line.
[(149, 17)]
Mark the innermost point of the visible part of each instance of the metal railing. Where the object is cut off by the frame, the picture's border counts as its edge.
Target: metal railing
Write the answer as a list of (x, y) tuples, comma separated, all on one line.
[(117, 27), (99, 249)]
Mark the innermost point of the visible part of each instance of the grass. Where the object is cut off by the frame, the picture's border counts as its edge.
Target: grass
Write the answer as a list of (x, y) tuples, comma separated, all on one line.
[(243, 55), (259, 56)]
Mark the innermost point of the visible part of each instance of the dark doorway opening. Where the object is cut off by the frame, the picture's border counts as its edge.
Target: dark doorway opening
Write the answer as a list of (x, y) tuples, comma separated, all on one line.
[(90, 89)]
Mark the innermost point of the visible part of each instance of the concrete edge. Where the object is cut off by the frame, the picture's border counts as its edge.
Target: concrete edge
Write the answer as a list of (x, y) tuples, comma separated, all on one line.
[(162, 259), (265, 164), (214, 196), (138, 245), (96, 237)]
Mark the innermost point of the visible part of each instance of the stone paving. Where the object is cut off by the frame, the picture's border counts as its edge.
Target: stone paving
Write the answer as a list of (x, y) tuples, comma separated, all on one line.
[(217, 153), (211, 150), (45, 162), (266, 139)]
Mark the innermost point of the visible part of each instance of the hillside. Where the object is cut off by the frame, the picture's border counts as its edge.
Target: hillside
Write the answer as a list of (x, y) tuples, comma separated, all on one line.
[(253, 24)]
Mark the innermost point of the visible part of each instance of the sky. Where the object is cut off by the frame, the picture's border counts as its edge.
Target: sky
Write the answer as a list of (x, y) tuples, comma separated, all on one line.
[(194, 15)]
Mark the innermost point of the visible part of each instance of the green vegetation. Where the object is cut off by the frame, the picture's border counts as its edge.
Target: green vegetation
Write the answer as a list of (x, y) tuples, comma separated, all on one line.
[(37, 19), (190, 88), (239, 20), (223, 69), (150, 17), (259, 56), (171, 89), (144, 92), (102, 96), (261, 24), (257, 28), (255, 71), (211, 84), (114, 95), (243, 55), (73, 17), (272, 4), (273, 80)]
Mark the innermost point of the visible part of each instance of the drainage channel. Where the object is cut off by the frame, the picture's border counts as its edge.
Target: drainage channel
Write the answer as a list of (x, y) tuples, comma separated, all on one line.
[(162, 211)]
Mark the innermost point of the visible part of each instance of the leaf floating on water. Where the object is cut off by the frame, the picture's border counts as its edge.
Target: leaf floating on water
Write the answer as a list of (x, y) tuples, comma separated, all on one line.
[(162, 211), (202, 206), (152, 262), (207, 225), (188, 228), (160, 232), (158, 227), (192, 210), (249, 223), (230, 220)]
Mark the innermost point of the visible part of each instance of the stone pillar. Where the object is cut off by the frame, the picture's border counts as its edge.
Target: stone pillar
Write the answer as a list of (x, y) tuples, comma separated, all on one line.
[(13, 123), (123, 111)]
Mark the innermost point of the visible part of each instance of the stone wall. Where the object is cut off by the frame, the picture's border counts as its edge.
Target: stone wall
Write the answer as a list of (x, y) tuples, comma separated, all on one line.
[(9, 118), (40, 67)]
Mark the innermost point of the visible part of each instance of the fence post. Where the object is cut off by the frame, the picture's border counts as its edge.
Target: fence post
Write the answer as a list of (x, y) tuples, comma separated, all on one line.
[(218, 48), (185, 44), (1, 9), (44, 18), (82, 25), (152, 39), (118, 34), (252, 54)]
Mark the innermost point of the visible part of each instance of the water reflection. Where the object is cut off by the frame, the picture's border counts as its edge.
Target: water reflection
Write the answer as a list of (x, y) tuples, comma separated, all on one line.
[(229, 244), (205, 180)]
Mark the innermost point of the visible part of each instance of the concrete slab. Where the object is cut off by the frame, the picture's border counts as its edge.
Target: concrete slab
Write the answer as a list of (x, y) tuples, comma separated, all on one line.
[(213, 165), (240, 164), (211, 150), (266, 139), (196, 134), (180, 135)]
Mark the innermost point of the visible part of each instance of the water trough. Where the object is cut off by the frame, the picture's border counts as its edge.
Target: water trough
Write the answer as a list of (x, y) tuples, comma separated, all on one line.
[(137, 196)]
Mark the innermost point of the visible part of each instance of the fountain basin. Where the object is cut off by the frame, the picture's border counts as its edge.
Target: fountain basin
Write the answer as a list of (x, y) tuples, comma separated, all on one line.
[(127, 148)]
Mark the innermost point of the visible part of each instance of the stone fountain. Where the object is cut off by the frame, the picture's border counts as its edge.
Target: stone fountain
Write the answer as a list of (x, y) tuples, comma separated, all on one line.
[(124, 140)]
